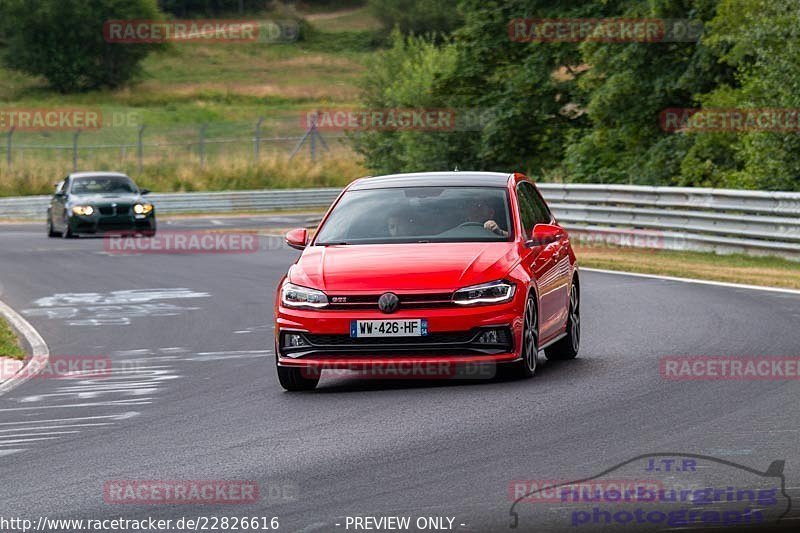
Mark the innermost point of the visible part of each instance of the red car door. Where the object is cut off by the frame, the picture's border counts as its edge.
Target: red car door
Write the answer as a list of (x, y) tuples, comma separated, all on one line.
[(548, 262)]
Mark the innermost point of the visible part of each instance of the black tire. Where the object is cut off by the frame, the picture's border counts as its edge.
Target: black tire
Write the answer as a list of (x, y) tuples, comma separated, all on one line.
[(51, 232), (293, 379), (150, 232), (530, 342), (67, 233), (567, 348)]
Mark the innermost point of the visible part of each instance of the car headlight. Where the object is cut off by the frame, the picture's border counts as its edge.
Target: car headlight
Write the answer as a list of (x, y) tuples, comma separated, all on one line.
[(494, 292), (83, 210), (296, 296), (142, 209)]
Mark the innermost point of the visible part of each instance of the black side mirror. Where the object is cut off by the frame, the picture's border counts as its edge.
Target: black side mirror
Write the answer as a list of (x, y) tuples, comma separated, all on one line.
[(144, 191)]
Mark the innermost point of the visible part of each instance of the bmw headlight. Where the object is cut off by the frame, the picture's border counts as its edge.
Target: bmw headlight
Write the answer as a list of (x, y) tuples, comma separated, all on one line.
[(83, 210), (494, 292), (296, 296), (142, 209)]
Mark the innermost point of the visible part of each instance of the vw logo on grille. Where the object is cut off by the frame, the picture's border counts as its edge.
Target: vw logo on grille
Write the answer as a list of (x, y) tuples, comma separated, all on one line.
[(388, 302)]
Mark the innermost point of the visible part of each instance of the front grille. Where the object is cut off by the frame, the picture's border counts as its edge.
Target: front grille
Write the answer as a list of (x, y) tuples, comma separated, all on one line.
[(431, 338), (113, 224), (121, 209), (441, 343), (407, 301)]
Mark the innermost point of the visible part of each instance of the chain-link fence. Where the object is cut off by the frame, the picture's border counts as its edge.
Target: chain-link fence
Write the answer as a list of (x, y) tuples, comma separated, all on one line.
[(137, 143)]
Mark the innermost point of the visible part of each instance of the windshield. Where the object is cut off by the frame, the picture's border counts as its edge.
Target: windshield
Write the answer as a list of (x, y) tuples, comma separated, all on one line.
[(418, 214), (103, 185)]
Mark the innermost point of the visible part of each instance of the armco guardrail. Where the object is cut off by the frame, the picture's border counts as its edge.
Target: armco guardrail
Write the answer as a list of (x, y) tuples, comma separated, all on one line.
[(725, 221)]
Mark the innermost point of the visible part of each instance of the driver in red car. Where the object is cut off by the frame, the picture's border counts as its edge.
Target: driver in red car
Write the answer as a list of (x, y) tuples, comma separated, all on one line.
[(478, 211)]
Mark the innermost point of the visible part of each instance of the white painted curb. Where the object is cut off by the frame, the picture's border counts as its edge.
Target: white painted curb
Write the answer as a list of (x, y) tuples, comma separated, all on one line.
[(692, 280), (36, 360)]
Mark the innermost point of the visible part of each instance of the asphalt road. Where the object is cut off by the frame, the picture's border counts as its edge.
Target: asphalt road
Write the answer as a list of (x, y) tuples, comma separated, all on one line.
[(193, 395)]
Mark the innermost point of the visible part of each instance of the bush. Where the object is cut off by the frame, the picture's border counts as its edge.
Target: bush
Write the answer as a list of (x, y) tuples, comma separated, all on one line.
[(406, 76), (62, 40), (418, 16)]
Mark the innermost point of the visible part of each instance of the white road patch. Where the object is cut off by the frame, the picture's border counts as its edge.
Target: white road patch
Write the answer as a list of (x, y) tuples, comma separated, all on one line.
[(120, 416), (115, 308), (59, 426), (20, 441), (113, 403), (4, 438), (138, 381), (117, 297), (215, 356), (174, 349), (10, 452), (125, 353), (255, 329)]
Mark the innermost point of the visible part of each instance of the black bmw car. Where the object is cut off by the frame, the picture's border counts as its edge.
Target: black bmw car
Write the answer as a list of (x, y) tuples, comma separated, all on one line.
[(99, 202)]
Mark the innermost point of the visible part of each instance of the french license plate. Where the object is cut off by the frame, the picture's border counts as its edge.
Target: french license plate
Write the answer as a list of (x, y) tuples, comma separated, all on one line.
[(389, 328)]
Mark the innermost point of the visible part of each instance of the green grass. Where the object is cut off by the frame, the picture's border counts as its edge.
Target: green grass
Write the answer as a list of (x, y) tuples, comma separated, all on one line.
[(227, 86), (190, 83), (9, 345)]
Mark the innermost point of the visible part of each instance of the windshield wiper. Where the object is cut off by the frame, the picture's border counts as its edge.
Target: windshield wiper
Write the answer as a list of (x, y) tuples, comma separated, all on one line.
[(341, 243)]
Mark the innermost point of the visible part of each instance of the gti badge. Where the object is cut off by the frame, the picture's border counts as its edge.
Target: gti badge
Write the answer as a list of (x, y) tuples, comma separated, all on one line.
[(388, 302)]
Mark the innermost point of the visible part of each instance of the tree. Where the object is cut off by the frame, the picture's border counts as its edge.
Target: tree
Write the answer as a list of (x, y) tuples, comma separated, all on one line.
[(63, 41), (627, 87), (420, 17), (761, 41), (407, 76)]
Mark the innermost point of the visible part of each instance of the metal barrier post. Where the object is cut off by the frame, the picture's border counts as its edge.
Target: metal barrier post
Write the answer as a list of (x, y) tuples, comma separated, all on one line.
[(75, 150), (257, 146), (140, 149), (8, 145), (202, 147)]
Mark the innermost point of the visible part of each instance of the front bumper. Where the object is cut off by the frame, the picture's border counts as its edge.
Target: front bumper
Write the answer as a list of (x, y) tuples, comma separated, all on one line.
[(97, 223), (451, 340)]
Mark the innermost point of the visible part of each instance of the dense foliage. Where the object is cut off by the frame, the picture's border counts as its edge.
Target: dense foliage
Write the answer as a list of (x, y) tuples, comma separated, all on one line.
[(589, 111), (418, 16), (63, 41)]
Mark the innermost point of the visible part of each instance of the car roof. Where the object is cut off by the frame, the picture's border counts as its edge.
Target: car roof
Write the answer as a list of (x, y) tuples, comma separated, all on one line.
[(97, 174), (433, 179)]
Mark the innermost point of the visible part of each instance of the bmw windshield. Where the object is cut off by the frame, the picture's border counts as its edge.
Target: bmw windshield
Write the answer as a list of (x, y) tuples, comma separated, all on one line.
[(103, 185), (419, 214)]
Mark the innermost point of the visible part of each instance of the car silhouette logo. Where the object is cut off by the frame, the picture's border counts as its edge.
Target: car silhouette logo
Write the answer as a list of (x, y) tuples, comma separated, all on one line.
[(388, 302), (773, 476)]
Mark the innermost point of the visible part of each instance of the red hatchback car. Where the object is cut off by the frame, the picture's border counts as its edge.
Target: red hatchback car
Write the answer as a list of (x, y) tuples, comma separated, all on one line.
[(433, 270)]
